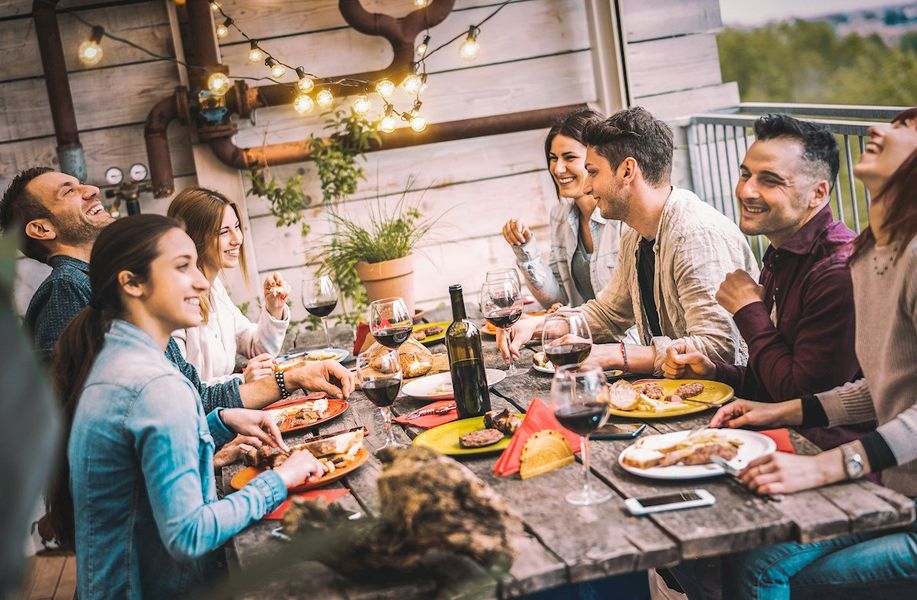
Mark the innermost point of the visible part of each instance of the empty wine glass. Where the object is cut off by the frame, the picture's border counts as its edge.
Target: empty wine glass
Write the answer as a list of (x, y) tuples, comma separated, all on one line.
[(566, 338), (380, 377), (319, 297), (390, 322), (577, 405), (501, 305)]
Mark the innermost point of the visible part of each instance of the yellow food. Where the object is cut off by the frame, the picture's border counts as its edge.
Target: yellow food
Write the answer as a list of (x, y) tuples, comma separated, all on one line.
[(544, 451)]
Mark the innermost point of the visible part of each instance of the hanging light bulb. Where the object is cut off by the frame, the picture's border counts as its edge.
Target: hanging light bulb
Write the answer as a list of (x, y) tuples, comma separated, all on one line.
[(277, 69), (361, 105), (324, 98), (418, 123), (421, 3), (90, 52), (215, 6), (412, 83), (470, 47), (218, 83), (255, 55), (387, 123), (305, 83), (303, 104), (421, 50), (223, 28), (385, 88)]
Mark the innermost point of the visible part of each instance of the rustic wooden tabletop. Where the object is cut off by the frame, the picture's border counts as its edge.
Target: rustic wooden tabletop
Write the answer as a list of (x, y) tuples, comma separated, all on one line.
[(564, 543)]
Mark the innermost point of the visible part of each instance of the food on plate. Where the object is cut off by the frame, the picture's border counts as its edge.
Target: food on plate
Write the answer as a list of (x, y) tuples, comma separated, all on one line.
[(302, 415), (416, 360), (541, 359), (554, 308), (696, 449), (480, 438), (287, 363), (503, 421), (334, 451), (428, 331), (624, 396), (543, 451), (321, 355), (651, 390), (689, 390)]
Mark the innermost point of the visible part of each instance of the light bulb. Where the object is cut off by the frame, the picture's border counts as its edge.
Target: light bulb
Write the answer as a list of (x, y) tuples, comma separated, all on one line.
[(215, 6), (361, 105), (418, 123), (470, 47), (324, 98), (303, 104), (90, 53), (387, 124), (255, 55), (277, 69), (385, 88), (421, 50), (218, 84), (223, 28), (412, 83), (305, 84), (421, 3)]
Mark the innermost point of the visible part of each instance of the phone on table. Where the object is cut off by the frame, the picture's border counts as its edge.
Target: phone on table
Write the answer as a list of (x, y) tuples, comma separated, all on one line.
[(673, 501), (618, 431)]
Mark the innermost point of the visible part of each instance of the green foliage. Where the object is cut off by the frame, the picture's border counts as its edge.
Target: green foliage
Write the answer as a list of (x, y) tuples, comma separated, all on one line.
[(288, 200), (336, 157), (806, 62)]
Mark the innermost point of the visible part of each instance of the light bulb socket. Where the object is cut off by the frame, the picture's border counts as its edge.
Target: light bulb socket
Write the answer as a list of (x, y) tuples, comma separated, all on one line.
[(269, 62), (417, 105), (300, 72), (97, 33), (254, 45), (473, 33), (228, 22)]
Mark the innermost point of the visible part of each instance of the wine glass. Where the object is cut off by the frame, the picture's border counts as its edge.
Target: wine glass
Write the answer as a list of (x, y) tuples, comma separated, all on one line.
[(501, 305), (498, 274), (577, 405), (390, 322), (380, 379), (566, 338), (319, 297)]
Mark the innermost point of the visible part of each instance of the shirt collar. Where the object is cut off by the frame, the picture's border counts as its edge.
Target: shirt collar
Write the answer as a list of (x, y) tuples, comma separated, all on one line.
[(803, 240), (132, 334), (61, 260)]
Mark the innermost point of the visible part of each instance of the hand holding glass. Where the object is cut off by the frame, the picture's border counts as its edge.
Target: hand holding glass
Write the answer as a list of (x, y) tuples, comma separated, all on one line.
[(566, 338), (380, 379), (501, 305)]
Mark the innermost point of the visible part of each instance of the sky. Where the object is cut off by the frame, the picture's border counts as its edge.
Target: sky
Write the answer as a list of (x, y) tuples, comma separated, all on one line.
[(757, 12)]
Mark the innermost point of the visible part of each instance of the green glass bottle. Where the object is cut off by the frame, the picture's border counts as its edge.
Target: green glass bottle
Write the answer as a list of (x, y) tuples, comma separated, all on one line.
[(466, 360)]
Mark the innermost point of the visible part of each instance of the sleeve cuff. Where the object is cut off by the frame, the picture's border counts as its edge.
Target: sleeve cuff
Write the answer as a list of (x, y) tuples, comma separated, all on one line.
[(813, 413), (271, 486), (752, 317), (878, 452), (222, 435), (731, 375), (527, 252), (228, 394)]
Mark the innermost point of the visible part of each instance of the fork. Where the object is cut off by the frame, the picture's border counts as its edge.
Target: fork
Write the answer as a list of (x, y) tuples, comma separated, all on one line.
[(423, 412), (733, 471)]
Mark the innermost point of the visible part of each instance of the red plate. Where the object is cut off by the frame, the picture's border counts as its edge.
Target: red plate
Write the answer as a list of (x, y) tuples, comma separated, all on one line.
[(241, 479), (335, 409)]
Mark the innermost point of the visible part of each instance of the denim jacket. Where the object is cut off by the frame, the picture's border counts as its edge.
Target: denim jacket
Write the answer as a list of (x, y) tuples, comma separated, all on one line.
[(141, 473)]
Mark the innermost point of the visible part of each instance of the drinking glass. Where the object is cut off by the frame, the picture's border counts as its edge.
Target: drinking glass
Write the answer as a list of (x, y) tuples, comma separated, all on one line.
[(498, 274), (501, 305), (577, 405), (380, 379), (390, 322), (566, 338), (319, 297)]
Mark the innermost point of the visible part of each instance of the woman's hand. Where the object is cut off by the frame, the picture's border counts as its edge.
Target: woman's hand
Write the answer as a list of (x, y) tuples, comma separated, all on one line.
[(324, 376), (683, 361), (276, 290), (299, 467), (255, 423), (516, 233), (745, 413), (234, 450), (520, 333), (258, 367), (783, 473)]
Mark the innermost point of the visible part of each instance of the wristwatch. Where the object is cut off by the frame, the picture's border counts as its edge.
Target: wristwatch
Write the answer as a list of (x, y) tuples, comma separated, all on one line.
[(853, 462)]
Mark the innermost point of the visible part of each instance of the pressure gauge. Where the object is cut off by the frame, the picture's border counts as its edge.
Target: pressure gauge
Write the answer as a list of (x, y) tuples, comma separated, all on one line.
[(138, 172), (114, 176)]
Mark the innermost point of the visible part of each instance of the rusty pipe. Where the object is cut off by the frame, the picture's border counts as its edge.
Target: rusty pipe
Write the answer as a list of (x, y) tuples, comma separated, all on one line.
[(155, 134)]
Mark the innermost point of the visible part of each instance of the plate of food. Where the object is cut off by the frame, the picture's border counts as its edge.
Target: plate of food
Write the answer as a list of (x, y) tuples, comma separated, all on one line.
[(542, 364), (297, 358), (664, 398), (308, 413), (430, 333), (439, 386), (340, 453), (477, 435), (414, 358), (689, 454)]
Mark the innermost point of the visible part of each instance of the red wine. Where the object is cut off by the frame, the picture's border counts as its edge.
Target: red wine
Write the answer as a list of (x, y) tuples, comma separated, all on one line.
[(582, 419), (503, 318), (321, 309), (382, 392), (568, 354), (393, 337), (469, 386)]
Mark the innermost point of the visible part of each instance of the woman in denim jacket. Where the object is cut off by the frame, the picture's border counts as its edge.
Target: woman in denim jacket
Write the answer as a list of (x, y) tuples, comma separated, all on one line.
[(141, 505), (584, 246)]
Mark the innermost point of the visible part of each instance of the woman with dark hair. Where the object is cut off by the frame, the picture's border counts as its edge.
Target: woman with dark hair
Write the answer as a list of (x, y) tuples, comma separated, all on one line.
[(884, 272), (584, 246), (141, 505), (214, 224)]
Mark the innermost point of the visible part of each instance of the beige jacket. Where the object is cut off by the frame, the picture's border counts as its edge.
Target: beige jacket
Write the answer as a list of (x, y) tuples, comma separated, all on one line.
[(696, 247)]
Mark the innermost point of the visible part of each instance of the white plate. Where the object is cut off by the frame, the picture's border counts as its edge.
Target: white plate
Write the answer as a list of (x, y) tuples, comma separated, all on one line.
[(753, 445), (429, 387), (340, 354)]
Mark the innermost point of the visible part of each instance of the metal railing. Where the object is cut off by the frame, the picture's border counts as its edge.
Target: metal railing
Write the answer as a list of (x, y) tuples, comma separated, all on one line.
[(718, 141)]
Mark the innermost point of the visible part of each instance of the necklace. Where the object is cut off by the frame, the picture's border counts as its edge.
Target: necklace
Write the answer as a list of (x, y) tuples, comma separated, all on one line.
[(887, 263)]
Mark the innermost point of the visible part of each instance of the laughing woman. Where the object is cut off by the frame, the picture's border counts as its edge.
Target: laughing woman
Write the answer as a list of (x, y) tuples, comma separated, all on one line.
[(214, 224), (141, 504), (584, 246)]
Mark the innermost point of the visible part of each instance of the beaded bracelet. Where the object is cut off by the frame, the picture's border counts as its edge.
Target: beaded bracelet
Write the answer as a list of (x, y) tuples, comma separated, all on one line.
[(624, 355), (284, 392)]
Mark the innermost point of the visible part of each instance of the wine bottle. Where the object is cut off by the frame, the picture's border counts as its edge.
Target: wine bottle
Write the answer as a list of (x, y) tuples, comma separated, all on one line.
[(466, 360)]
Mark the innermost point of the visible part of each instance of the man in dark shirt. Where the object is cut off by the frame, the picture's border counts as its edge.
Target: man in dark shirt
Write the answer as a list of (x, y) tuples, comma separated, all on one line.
[(799, 322), (61, 219)]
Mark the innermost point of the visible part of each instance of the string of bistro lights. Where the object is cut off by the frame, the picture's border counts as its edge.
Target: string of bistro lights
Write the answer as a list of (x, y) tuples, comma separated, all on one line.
[(219, 83)]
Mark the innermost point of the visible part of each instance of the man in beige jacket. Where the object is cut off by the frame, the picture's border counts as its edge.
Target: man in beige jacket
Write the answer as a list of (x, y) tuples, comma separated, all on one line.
[(675, 252)]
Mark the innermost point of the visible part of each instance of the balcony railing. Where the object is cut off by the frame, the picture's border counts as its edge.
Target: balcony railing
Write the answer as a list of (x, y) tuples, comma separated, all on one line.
[(718, 142)]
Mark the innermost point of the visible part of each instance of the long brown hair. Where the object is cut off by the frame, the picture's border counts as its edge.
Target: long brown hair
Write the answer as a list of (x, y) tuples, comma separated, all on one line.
[(900, 199), (201, 210), (129, 244)]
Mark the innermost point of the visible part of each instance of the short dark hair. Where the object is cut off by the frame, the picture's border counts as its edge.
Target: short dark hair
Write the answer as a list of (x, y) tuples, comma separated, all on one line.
[(819, 144), (636, 133), (18, 207)]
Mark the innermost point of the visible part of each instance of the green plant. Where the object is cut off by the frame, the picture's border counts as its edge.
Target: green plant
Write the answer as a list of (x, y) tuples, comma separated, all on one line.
[(288, 200), (336, 157)]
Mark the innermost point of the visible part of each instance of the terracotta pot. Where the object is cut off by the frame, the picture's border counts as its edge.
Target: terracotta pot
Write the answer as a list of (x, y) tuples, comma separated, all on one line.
[(389, 278)]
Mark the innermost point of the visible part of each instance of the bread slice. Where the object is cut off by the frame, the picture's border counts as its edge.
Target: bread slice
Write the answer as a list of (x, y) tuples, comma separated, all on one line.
[(642, 458), (339, 444), (623, 396)]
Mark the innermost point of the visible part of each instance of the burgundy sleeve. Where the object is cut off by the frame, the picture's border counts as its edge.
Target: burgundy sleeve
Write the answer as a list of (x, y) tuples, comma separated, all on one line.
[(733, 376)]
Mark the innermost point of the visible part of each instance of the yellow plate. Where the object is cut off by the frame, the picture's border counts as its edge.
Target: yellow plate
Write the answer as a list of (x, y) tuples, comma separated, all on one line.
[(715, 393), (432, 339), (445, 438)]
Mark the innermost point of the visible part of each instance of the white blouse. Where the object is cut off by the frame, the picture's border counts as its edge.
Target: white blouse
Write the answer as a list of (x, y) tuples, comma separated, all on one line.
[(212, 347)]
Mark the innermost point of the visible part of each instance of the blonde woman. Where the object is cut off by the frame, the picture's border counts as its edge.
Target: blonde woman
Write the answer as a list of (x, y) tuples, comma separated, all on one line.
[(214, 224)]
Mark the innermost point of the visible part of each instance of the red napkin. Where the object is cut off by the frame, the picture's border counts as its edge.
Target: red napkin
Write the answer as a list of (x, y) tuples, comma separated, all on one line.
[(538, 418), (430, 421), (329, 496), (782, 438), (297, 399), (360, 338)]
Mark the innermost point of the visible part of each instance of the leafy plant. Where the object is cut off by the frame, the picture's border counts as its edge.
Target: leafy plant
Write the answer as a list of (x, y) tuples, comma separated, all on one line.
[(288, 200), (336, 157)]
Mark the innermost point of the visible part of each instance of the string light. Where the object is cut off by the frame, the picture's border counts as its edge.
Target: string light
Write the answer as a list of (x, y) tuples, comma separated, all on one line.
[(361, 105), (324, 99), (413, 82), (387, 123), (305, 83), (90, 52), (215, 7), (218, 84), (303, 104), (385, 88), (418, 123), (470, 48), (223, 28), (255, 55), (277, 69), (421, 3), (421, 50)]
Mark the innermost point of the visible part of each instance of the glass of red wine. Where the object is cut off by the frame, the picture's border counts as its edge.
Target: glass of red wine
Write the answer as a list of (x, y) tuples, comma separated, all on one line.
[(577, 404), (508, 273), (501, 305), (566, 338), (390, 322), (319, 297), (379, 374)]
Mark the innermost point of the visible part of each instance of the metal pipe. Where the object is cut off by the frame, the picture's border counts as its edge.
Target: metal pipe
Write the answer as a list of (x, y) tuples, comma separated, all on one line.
[(155, 133)]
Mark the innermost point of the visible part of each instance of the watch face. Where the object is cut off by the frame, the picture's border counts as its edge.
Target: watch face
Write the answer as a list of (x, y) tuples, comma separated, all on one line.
[(138, 172), (113, 176)]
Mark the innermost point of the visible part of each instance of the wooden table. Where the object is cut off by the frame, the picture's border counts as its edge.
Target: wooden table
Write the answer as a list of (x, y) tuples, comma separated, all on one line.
[(564, 543)]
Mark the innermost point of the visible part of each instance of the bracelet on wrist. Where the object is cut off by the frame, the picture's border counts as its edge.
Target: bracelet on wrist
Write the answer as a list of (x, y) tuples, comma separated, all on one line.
[(624, 358), (279, 378)]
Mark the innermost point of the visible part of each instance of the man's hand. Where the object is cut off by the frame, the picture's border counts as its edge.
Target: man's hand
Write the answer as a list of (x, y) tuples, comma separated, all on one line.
[(745, 413), (258, 367), (324, 376), (683, 361), (516, 233), (232, 451), (255, 423), (739, 290), (605, 357), (521, 332)]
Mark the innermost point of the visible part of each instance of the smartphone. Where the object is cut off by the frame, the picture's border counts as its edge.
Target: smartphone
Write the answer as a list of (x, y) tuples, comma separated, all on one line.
[(618, 431), (673, 501)]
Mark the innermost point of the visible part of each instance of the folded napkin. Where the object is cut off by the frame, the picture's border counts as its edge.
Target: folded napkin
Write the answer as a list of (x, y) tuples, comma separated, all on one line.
[(360, 338), (430, 421), (538, 418), (329, 496), (782, 439), (296, 399)]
